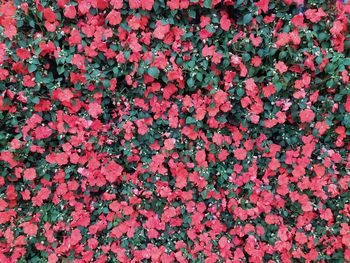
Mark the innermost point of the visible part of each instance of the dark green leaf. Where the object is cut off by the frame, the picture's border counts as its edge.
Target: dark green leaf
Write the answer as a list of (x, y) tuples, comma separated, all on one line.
[(207, 3), (153, 72)]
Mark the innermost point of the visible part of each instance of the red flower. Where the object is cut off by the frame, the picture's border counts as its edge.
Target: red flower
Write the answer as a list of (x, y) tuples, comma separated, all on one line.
[(70, 12), (223, 155), (177, 4), (161, 30), (306, 115), (294, 36), (189, 132), (306, 206), (117, 4), (42, 132), (135, 4), (223, 242), (263, 5), (28, 81), (29, 174), (10, 30), (79, 61), (347, 104), (346, 240), (29, 228), (220, 97), (256, 61), (94, 109), (281, 67), (52, 258), (169, 144), (114, 18), (283, 233), (250, 85), (298, 20), (49, 15), (65, 95), (208, 51), (240, 154), (75, 237), (269, 90), (201, 158), (74, 38), (169, 90), (225, 22), (255, 40), (59, 158), (112, 171), (3, 205), (115, 206), (147, 4), (23, 53), (315, 15), (283, 39)]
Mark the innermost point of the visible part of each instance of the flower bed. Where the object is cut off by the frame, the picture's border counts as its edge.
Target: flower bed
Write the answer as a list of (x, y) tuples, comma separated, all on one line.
[(174, 131)]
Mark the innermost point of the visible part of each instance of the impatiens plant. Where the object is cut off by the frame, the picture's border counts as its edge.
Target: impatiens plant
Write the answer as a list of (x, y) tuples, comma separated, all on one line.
[(175, 131)]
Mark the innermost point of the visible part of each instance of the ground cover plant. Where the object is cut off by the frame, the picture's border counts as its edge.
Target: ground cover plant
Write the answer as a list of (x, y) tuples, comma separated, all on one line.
[(174, 131)]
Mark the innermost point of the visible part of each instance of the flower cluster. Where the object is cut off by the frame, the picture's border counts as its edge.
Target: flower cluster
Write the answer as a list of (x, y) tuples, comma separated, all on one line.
[(174, 131)]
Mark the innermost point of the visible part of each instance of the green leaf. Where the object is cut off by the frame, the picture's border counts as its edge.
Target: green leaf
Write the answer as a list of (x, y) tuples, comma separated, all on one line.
[(207, 3), (37, 50), (238, 3), (115, 72), (153, 72), (247, 18), (190, 120), (338, 97), (192, 13), (246, 57), (35, 100), (278, 86), (240, 92), (330, 83), (31, 68), (31, 23), (322, 36), (346, 121), (199, 76), (190, 82), (329, 68), (191, 64), (60, 70), (346, 62), (156, 6)]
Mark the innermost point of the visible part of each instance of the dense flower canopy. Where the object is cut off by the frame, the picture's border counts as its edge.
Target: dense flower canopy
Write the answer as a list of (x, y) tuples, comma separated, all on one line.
[(174, 131)]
